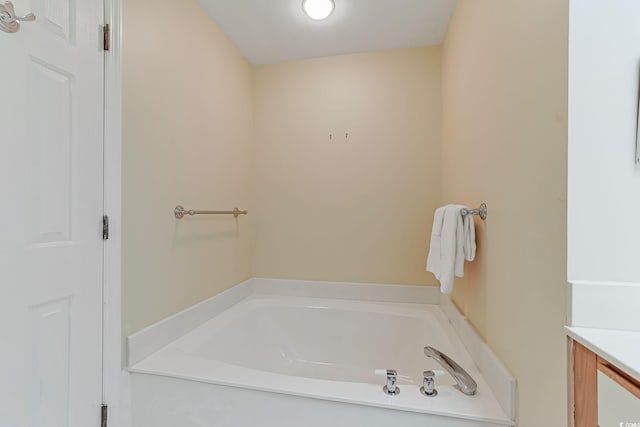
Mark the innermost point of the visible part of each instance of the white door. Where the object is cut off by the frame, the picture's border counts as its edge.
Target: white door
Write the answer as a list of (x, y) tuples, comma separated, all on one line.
[(51, 130)]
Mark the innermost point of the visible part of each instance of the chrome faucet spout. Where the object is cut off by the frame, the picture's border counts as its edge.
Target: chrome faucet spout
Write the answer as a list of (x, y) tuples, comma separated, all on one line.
[(467, 384)]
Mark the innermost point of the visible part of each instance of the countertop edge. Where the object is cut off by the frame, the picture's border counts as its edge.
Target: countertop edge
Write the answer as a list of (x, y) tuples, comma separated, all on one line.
[(599, 341)]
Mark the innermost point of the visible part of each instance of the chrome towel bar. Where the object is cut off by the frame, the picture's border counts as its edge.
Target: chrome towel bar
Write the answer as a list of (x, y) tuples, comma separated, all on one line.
[(481, 211), (180, 212)]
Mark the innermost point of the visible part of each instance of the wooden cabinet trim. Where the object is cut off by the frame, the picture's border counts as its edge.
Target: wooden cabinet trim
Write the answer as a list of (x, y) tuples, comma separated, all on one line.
[(627, 382), (583, 380), (585, 387)]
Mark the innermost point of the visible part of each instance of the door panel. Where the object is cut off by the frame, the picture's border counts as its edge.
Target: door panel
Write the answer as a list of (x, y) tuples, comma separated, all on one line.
[(51, 203), (50, 327), (50, 102)]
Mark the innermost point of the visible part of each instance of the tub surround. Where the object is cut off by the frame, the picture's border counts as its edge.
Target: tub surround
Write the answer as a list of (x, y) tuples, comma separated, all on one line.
[(349, 291), (172, 336)]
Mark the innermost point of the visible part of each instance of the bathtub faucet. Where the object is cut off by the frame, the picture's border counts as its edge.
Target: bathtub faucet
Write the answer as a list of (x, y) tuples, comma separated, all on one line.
[(467, 384)]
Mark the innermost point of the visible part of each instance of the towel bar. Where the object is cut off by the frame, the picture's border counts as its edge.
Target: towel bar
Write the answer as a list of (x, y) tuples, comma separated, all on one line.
[(481, 211), (180, 212)]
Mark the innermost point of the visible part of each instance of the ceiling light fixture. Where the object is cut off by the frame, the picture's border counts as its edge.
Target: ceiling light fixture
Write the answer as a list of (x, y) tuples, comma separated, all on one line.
[(318, 9)]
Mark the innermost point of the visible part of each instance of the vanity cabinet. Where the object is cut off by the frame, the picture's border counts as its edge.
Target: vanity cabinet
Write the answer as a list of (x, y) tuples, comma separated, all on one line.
[(601, 394)]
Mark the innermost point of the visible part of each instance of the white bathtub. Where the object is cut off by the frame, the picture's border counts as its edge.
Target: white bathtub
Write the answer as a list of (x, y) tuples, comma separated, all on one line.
[(298, 361)]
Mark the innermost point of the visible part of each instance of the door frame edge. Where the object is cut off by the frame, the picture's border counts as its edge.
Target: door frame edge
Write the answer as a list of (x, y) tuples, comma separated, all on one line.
[(112, 386)]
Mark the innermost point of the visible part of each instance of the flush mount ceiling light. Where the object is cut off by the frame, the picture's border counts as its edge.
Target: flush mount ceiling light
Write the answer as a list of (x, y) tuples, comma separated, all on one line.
[(318, 9)]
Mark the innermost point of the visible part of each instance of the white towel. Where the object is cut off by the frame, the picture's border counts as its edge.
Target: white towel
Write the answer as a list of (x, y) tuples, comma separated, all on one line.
[(433, 260), (469, 238), (452, 241)]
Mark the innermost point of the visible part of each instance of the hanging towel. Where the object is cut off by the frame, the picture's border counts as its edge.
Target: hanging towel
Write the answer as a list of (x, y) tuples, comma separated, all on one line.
[(469, 229), (452, 242), (433, 260)]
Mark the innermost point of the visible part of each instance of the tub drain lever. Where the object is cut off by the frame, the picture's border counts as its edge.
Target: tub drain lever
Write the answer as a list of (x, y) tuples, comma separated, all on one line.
[(391, 388)]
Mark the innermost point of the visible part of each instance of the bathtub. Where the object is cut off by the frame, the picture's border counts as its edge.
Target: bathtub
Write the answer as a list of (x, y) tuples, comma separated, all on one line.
[(282, 360)]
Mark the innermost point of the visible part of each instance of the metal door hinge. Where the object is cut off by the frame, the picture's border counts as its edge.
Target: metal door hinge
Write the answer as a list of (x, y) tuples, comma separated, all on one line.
[(103, 416), (105, 227), (106, 37)]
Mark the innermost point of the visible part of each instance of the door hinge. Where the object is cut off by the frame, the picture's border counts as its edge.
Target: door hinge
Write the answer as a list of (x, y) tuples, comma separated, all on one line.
[(103, 416), (105, 227), (106, 37)]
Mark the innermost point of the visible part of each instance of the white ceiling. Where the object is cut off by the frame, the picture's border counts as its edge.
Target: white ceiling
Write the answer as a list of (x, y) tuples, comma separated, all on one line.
[(268, 31)]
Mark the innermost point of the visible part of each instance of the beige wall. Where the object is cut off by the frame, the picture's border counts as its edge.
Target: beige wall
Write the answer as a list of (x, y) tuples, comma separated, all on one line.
[(348, 209), (187, 138), (505, 142)]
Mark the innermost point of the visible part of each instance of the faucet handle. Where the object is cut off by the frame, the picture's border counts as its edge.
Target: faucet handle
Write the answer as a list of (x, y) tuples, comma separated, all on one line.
[(391, 388), (429, 384)]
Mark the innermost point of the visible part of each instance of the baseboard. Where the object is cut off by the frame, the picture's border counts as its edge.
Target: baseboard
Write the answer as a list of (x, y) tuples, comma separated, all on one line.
[(502, 383), (605, 305)]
